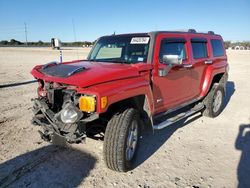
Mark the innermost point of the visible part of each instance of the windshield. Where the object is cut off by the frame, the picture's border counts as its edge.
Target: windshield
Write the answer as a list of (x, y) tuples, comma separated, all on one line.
[(121, 49)]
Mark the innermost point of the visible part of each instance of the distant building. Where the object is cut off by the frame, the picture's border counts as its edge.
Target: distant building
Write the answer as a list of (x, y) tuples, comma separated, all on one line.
[(240, 48)]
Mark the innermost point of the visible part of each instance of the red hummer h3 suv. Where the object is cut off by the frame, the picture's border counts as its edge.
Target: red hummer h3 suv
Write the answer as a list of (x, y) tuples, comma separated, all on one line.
[(127, 82)]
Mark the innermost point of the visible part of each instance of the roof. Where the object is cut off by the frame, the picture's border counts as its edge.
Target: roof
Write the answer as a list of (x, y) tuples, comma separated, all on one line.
[(193, 31), (186, 32)]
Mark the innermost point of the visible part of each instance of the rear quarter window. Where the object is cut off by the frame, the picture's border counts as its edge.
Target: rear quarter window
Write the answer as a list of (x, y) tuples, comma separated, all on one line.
[(217, 48), (199, 48)]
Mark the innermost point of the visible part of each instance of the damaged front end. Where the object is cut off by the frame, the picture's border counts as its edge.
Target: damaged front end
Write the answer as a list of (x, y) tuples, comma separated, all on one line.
[(57, 111)]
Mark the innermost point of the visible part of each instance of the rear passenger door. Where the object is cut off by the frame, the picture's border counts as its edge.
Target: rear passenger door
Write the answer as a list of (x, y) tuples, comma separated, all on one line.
[(200, 60)]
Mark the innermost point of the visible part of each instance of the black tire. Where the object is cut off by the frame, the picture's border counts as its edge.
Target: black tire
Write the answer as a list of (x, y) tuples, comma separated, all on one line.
[(116, 140), (209, 101)]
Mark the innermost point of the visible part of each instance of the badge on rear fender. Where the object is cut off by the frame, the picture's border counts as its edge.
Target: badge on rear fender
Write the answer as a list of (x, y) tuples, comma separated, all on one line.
[(139, 40)]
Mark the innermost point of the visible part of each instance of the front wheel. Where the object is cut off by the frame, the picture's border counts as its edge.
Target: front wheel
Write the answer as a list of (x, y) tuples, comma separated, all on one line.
[(214, 101), (121, 140)]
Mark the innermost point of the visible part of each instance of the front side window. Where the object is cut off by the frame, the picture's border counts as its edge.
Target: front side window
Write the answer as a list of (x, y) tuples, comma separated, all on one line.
[(172, 47), (217, 47), (121, 49), (199, 48)]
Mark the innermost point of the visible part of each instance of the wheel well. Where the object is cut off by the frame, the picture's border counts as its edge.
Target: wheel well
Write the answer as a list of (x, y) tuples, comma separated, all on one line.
[(218, 78), (136, 102), (140, 103)]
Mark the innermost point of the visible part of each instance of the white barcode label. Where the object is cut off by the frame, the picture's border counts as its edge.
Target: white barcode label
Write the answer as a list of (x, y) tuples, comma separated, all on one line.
[(139, 40)]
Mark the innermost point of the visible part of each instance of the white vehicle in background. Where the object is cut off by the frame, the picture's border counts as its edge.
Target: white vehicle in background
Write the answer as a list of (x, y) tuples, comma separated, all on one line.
[(56, 43)]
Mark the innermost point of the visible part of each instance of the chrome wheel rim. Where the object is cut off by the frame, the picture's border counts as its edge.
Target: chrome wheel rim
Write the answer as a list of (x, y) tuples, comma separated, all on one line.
[(217, 101), (132, 140)]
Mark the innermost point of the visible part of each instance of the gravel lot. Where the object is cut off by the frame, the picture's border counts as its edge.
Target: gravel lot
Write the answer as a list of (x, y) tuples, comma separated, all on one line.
[(202, 152)]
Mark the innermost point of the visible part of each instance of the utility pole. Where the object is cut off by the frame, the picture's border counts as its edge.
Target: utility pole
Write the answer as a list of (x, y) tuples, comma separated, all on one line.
[(25, 31)]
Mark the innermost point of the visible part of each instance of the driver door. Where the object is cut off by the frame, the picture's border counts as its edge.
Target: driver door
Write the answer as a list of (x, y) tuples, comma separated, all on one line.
[(173, 88)]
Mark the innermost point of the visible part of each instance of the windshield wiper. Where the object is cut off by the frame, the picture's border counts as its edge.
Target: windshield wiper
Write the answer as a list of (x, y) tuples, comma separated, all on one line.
[(121, 61)]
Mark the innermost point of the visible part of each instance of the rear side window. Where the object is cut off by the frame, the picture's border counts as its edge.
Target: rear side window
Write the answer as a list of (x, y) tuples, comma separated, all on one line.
[(199, 48), (217, 47), (173, 47)]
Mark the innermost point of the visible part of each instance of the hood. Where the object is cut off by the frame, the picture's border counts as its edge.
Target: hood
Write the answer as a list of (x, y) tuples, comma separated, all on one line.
[(88, 73)]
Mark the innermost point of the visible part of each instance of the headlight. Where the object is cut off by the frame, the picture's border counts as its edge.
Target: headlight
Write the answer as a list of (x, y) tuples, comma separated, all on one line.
[(69, 114), (87, 103)]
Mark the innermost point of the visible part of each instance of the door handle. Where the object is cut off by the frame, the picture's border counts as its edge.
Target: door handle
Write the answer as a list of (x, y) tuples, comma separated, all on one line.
[(208, 62), (187, 65)]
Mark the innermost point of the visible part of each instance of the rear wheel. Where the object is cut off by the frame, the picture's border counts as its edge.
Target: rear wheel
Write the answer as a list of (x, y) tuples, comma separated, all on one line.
[(121, 140), (214, 101)]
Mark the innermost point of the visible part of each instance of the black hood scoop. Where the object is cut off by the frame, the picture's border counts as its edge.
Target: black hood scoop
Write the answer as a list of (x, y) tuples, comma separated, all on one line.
[(61, 70)]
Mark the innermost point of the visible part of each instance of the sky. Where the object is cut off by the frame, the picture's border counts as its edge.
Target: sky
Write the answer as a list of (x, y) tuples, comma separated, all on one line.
[(94, 18)]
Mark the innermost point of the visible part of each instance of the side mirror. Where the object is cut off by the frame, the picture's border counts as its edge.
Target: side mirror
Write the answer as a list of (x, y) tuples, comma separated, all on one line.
[(172, 60)]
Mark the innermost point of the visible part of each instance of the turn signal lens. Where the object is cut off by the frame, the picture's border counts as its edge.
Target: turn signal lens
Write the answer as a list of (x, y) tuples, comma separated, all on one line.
[(104, 102), (87, 103)]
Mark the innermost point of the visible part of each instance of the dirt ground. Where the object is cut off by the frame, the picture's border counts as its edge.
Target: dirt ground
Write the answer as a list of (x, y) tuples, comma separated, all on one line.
[(201, 152)]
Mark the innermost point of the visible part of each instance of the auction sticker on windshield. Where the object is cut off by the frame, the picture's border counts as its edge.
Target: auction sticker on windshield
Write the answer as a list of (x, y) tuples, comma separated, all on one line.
[(139, 40)]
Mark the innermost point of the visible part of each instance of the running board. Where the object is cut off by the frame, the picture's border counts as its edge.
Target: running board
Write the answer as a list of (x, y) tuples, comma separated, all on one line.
[(178, 117)]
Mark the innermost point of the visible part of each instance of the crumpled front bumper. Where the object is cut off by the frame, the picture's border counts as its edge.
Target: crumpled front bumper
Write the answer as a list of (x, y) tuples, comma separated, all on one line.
[(53, 128)]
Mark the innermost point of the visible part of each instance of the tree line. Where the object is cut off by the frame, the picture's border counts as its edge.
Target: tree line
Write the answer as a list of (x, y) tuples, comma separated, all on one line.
[(40, 43), (14, 42)]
